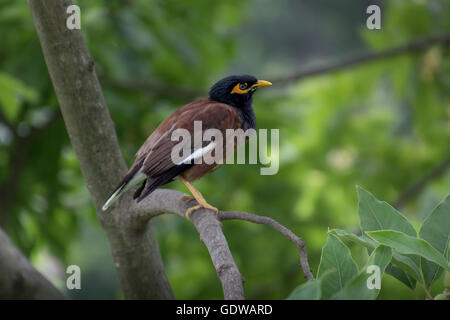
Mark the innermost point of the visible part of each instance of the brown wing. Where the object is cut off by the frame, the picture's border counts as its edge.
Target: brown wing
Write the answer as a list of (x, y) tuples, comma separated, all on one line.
[(157, 150), (154, 157)]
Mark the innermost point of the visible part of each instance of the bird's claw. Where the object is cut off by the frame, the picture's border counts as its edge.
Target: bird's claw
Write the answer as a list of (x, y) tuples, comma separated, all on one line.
[(199, 206), (184, 198)]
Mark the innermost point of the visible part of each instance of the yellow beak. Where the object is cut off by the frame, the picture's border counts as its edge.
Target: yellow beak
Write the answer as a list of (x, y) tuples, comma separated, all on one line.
[(262, 83)]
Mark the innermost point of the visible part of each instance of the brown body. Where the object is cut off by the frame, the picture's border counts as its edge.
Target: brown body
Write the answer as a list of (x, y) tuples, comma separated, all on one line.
[(156, 151), (154, 157)]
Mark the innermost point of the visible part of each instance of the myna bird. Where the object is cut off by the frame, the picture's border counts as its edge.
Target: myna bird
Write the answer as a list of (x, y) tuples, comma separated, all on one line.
[(229, 107)]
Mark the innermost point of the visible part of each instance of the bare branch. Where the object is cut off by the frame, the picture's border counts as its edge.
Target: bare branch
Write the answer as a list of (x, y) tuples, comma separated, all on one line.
[(153, 87), (17, 162), (7, 123), (167, 90), (210, 230), (416, 188), (8, 189), (233, 215), (19, 279), (166, 201), (410, 47)]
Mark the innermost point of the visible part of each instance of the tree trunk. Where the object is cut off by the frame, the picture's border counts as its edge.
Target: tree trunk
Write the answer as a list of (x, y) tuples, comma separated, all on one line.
[(134, 247)]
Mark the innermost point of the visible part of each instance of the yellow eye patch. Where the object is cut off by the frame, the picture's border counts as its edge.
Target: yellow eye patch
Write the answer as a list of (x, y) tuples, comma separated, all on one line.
[(240, 88)]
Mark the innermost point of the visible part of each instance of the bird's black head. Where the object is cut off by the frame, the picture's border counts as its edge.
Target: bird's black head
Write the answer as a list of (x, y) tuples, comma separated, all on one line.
[(236, 91)]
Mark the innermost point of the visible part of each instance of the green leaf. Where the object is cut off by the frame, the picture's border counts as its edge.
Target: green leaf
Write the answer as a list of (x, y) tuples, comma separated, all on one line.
[(398, 273), (357, 288), (12, 92), (407, 264), (408, 245), (348, 237), (309, 290), (404, 262), (379, 215), (436, 231), (335, 256)]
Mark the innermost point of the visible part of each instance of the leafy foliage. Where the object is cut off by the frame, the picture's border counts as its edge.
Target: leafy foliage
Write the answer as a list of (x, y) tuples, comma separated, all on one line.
[(357, 287), (387, 246), (433, 231), (310, 290)]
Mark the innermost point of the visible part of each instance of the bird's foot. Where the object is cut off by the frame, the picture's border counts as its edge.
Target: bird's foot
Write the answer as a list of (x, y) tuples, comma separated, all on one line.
[(199, 206), (184, 198)]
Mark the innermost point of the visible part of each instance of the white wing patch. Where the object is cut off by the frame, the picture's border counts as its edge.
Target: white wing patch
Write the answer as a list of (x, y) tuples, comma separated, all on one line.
[(199, 153)]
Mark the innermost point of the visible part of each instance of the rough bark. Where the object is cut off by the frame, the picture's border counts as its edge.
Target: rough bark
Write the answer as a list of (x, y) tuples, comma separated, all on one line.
[(210, 229), (22, 280), (91, 131)]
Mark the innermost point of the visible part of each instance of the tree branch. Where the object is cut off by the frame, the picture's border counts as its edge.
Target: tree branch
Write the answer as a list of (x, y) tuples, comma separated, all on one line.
[(210, 230), (410, 47), (167, 90), (4, 120), (304, 264), (153, 87), (16, 164), (208, 225), (19, 279), (420, 185), (8, 189)]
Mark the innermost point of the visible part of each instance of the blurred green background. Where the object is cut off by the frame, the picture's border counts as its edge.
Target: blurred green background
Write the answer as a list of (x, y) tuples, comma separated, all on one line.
[(384, 125)]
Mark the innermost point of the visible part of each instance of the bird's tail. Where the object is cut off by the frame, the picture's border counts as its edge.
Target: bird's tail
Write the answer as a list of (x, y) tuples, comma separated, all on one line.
[(133, 177)]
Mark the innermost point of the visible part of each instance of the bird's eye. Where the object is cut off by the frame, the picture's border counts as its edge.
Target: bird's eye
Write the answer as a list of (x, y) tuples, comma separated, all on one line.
[(240, 88)]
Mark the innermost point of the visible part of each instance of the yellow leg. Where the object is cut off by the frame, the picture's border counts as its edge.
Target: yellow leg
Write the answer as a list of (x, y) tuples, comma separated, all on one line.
[(197, 196)]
